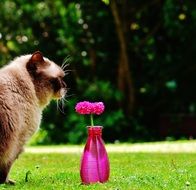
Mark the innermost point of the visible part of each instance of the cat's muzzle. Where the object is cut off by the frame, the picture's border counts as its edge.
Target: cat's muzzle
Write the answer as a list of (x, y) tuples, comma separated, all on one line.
[(62, 92)]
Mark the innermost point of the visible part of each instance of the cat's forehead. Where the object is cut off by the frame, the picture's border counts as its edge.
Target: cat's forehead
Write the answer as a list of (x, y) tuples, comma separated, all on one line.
[(50, 68), (53, 69)]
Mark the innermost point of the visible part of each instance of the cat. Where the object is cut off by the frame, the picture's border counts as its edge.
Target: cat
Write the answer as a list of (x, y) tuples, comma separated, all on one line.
[(27, 85)]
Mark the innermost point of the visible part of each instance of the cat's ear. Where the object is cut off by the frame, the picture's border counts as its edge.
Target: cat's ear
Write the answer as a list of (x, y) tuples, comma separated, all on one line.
[(37, 57), (35, 61)]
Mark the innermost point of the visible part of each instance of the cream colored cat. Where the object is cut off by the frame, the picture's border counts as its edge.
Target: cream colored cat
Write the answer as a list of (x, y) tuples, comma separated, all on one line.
[(27, 85)]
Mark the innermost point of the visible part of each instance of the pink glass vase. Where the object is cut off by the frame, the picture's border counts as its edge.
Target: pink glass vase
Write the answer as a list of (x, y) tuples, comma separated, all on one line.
[(95, 165)]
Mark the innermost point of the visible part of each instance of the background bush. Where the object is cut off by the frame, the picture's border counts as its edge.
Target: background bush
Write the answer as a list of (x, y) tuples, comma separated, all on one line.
[(141, 68)]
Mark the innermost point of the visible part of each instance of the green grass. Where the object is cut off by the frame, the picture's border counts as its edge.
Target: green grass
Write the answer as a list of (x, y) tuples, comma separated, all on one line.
[(128, 171)]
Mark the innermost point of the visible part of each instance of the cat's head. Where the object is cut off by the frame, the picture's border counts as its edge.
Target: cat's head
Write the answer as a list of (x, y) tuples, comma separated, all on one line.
[(47, 78)]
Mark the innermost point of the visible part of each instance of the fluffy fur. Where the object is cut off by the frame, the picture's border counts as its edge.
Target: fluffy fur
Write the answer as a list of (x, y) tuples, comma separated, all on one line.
[(27, 85)]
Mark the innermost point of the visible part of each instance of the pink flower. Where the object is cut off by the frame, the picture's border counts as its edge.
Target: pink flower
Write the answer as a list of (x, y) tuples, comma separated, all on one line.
[(83, 107), (91, 108), (87, 107), (97, 108)]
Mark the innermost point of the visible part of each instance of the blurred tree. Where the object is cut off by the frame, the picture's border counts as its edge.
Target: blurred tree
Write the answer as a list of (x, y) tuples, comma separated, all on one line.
[(125, 81), (136, 56)]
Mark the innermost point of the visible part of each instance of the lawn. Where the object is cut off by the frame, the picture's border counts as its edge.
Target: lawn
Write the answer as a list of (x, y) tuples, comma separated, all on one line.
[(129, 171)]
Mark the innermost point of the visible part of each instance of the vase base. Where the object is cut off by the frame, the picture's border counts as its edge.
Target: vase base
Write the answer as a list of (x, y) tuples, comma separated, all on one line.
[(91, 183)]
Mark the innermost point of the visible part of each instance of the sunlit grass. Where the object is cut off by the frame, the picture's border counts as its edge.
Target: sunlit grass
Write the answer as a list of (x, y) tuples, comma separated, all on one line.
[(128, 171), (188, 146)]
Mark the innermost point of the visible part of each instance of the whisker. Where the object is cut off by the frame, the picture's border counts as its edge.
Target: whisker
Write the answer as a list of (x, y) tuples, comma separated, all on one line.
[(70, 95), (64, 66), (57, 105), (61, 109), (65, 62), (67, 59), (67, 71), (64, 99), (62, 106), (61, 102)]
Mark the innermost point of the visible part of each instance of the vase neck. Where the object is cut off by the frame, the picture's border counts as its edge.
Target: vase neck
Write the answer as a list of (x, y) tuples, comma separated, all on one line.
[(95, 131)]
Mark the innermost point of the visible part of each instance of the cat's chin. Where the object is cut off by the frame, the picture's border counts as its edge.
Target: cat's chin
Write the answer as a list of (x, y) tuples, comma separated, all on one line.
[(57, 97)]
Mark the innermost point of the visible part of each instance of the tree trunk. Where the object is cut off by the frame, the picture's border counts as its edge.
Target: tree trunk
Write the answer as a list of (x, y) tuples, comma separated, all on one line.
[(125, 82)]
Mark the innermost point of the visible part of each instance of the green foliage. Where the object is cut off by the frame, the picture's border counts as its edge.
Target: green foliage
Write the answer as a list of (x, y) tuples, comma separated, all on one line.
[(106, 1), (41, 137), (161, 51)]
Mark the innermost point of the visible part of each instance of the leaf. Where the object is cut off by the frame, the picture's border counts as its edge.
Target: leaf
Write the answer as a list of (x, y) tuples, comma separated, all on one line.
[(106, 2)]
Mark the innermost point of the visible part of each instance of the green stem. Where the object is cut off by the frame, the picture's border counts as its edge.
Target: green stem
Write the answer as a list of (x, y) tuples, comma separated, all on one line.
[(92, 123)]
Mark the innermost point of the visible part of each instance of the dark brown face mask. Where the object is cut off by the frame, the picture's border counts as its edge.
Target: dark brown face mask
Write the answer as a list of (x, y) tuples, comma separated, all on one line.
[(57, 84)]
